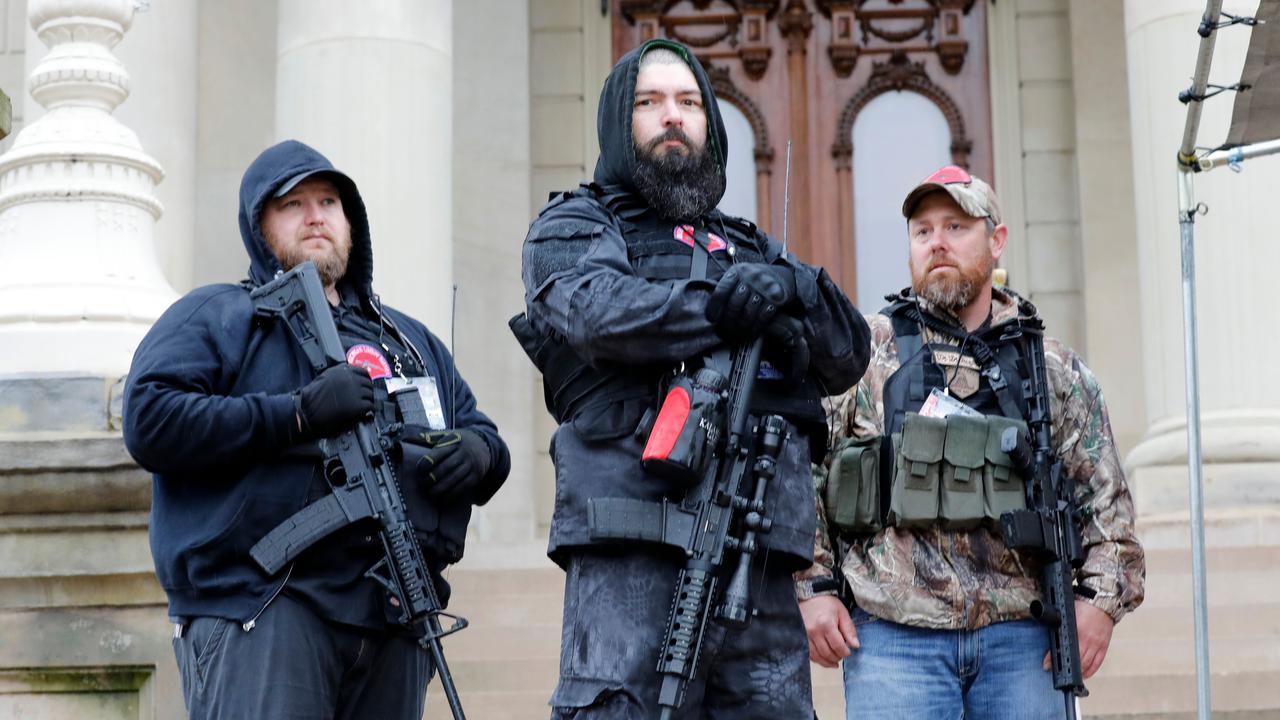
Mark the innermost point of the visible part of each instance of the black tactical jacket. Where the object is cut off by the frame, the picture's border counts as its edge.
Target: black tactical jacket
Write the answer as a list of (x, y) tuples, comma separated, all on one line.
[(612, 281)]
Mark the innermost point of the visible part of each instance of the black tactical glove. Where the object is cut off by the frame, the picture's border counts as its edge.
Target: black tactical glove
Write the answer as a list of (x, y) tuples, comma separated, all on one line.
[(786, 347), (334, 401), (450, 465), (748, 297)]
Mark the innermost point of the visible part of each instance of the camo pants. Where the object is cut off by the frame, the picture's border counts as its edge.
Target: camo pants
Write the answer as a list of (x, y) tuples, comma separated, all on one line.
[(615, 618)]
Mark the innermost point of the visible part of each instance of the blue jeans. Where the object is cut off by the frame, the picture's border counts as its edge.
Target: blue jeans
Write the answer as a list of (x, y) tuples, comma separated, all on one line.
[(994, 673)]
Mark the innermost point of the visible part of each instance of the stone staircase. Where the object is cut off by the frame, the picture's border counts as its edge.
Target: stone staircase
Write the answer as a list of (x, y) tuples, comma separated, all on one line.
[(505, 664)]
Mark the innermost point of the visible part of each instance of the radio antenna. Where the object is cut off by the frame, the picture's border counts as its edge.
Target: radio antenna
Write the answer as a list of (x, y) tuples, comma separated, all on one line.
[(786, 199)]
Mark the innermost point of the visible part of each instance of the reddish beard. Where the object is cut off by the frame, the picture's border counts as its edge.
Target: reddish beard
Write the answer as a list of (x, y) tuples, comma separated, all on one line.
[(951, 291), (331, 265)]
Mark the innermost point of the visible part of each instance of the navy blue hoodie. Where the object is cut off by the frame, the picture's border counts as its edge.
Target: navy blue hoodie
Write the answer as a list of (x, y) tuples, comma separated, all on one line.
[(209, 410)]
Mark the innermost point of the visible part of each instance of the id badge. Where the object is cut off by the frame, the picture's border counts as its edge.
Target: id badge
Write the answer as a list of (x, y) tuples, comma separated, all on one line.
[(940, 405), (430, 394)]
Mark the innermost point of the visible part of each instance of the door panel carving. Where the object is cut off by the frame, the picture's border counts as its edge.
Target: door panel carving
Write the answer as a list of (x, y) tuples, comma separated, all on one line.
[(802, 70)]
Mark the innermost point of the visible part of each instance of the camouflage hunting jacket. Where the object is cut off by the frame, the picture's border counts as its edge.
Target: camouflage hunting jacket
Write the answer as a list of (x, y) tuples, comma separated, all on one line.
[(952, 579)]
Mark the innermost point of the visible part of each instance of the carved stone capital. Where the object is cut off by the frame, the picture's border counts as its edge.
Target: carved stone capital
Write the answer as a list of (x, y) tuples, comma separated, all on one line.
[(843, 59), (796, 23), (951, 54)]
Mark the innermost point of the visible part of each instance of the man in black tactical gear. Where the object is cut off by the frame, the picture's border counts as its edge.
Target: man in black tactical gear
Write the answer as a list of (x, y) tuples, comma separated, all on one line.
[(628, 280), (224, 408)]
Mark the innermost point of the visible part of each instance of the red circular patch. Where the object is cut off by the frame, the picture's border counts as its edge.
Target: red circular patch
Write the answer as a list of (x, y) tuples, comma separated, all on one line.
[(369, 358)]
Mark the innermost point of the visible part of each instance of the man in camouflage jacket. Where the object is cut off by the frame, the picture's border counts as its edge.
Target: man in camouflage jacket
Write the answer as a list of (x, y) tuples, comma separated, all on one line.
[(940, 621)]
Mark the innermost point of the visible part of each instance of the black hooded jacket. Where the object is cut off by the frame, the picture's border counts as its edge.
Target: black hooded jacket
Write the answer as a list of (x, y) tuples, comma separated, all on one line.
[(616, 166), (209, 410), (609, 279)]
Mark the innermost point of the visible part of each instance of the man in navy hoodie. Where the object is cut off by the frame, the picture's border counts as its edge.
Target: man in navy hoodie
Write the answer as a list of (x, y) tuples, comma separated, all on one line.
[(225, 410)]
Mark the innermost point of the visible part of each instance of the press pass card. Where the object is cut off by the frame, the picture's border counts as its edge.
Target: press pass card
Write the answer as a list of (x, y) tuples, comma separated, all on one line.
[(940, 405), (430, 394)]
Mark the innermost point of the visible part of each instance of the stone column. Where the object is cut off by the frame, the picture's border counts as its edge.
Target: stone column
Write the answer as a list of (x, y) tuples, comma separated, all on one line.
[(163, 57), (81, 615), (492, 137), (1235, 262), (79, 280), (370, 86)]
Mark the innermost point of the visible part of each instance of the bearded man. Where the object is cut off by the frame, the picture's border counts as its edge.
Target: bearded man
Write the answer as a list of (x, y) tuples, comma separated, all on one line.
[(913, 587), (225, 409), (629, 280)]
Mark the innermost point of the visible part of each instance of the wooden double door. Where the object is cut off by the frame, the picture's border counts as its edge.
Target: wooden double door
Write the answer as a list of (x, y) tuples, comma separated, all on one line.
[(806, 71)]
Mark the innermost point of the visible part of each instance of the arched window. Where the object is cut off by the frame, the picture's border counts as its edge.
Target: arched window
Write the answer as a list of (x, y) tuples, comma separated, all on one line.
[(740, 188), (898, 139)]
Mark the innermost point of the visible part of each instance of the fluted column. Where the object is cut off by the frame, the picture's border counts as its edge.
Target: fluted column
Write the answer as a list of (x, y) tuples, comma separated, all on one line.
[(370, 86), (1235, 261), (81, 614), (79, 279)]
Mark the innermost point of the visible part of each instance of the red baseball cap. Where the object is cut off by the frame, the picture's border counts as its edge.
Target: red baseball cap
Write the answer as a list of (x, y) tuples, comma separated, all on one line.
[(972, 194)]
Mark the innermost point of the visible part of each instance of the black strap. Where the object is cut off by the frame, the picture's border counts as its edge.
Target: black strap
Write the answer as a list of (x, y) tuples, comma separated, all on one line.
[(987, 360)]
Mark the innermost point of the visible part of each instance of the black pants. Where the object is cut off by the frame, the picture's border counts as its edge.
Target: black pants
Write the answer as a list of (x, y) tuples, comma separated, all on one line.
[(293, 665), (616, 607)]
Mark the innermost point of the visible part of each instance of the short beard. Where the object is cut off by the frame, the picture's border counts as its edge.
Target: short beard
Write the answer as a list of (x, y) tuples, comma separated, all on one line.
[(952, 293), (678, 186), (331, 266)]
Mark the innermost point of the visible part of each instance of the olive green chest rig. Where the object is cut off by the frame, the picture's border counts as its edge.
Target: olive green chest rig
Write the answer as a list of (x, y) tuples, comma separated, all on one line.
[(939, 461)]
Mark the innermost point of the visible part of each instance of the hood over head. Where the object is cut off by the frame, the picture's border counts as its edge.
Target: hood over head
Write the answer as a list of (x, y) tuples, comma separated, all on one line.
[(615, 170), (276, 171)]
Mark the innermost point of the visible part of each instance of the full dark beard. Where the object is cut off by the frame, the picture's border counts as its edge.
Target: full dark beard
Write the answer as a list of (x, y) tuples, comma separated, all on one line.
[(678, 186)]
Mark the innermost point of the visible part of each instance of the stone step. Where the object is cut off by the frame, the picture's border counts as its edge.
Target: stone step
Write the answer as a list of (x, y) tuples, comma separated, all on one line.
[(514, 608), (1146, 657), (1223, 588), (1123, 695), (1178, 560), (506, 663), (490, 705), (504, 675), (503, 582), (539, 643), (1228, 528), (1170, 621)]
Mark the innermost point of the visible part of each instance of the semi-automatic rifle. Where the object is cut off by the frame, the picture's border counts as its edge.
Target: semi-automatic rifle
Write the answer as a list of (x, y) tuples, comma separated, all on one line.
[(358, 466), (1049, 527)]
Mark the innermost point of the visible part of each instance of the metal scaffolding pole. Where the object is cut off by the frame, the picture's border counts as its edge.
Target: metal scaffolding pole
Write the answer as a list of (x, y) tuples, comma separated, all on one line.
[(1186, 222)]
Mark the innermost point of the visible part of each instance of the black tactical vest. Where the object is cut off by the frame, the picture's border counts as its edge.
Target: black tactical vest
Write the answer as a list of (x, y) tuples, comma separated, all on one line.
[(601, 408), (610, 400)]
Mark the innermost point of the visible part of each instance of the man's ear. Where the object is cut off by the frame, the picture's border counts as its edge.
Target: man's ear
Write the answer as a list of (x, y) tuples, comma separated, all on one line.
[(998, 238)]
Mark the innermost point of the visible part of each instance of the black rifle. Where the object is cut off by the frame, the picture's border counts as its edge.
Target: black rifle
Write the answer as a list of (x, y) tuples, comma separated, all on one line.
[(1050, 527), (359, 471), (702, 526)]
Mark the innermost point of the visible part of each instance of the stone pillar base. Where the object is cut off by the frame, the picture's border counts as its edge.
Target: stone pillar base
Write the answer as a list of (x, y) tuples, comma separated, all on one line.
[(83, 621), (1162, 489), (1241, 456)]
